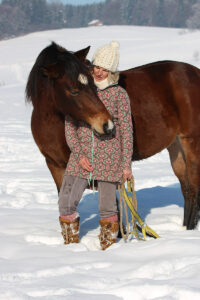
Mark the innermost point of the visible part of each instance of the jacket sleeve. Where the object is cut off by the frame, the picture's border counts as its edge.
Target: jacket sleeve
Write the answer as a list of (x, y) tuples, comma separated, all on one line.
[(126, 128), (71, 136)]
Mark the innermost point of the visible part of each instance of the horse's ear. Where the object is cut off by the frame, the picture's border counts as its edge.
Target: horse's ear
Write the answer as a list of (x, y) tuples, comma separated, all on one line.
[(81, 54), (53, 71)]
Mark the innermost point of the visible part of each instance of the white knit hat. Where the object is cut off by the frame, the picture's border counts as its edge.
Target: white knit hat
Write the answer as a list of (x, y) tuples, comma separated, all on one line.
[(107, 57)]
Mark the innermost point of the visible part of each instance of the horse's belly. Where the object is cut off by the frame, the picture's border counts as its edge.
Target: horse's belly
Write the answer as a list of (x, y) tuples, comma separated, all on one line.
[(153, 137)]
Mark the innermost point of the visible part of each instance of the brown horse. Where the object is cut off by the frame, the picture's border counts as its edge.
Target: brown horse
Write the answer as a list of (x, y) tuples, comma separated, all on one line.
[(165, 104), (59, 84)]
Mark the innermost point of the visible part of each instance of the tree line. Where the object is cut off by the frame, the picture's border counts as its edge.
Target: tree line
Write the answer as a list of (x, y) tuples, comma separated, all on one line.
[(18, 17)]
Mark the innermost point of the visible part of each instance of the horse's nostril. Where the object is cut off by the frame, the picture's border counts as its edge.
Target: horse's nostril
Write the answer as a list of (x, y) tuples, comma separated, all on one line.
[(105, 127), (108, 128)]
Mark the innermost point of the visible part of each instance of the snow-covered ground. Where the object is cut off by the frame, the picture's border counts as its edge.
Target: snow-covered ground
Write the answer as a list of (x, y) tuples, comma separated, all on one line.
[(34, 263)]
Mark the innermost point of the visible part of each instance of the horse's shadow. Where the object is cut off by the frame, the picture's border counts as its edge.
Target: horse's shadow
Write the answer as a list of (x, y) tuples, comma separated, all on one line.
[(158, 197), (147, 199)]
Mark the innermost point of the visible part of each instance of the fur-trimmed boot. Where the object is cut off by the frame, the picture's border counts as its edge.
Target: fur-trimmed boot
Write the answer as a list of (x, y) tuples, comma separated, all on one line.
[(70, 230), (108, 233)]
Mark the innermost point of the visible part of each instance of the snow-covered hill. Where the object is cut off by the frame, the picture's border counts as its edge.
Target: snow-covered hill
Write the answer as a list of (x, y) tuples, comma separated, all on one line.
[(34, 263)]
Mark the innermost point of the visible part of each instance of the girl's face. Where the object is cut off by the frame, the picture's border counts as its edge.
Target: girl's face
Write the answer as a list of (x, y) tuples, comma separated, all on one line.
[(100, 73)]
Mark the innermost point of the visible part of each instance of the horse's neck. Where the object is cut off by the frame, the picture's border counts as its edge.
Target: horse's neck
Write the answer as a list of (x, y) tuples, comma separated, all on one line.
[(45, 105)]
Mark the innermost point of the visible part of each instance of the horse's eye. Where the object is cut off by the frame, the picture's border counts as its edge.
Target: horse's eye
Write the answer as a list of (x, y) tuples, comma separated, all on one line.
[(74, 92)]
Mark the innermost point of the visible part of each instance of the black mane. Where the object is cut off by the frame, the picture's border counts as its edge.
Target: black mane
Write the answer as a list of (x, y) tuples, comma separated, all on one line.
[(51, 55)]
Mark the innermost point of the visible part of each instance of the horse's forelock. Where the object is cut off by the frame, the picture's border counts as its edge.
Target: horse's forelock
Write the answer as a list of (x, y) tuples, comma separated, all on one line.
[(71, 63), (77, 71), (56, 54)]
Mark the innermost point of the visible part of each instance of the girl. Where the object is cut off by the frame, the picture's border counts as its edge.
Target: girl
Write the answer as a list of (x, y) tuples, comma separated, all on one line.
[(105, 159)]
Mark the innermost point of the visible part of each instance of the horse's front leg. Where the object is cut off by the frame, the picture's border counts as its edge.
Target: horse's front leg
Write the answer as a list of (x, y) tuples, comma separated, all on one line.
[(57, 172)]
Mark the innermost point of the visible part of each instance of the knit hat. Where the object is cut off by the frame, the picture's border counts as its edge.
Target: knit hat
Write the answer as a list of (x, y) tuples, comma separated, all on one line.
[(107, 57)]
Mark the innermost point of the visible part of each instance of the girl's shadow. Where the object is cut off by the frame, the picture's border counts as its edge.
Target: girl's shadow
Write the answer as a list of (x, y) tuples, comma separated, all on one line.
[(89, 212)]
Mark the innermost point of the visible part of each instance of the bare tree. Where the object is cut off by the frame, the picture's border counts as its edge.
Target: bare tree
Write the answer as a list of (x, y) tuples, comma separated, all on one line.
[(12, 22)]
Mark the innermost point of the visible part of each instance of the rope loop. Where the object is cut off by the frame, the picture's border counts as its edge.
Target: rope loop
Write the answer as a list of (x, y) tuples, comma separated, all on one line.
[(137, 223)]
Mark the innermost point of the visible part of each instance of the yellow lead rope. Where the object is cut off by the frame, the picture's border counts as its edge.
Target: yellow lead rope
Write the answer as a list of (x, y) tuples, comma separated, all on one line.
[(136, 221)]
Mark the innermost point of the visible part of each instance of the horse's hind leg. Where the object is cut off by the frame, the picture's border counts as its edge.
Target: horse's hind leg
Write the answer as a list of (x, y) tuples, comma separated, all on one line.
[(186, 166), (191, 147), (178, 162)]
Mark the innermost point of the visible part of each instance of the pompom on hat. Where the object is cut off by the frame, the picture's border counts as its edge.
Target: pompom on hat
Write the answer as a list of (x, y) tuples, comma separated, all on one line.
[(107, 56)]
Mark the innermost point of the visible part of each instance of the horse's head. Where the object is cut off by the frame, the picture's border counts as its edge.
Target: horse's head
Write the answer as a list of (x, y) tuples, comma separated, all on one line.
[(68, 82)]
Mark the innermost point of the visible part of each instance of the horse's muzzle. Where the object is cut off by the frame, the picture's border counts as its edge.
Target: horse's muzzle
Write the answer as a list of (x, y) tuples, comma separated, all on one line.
[(109, 135), (109, 128)]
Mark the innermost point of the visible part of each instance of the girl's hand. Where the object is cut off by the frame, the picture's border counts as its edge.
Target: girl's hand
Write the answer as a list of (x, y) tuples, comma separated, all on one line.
[(85, 164), (127, 174)]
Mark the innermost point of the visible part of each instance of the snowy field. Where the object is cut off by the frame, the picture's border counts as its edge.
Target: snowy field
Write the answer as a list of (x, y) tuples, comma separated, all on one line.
[(34, 263)]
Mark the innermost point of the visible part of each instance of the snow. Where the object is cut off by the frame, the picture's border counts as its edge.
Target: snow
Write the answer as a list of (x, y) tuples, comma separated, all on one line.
[(34, 263)]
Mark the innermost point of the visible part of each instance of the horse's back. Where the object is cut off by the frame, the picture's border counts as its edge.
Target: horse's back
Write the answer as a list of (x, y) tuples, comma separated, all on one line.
[(165, 98)]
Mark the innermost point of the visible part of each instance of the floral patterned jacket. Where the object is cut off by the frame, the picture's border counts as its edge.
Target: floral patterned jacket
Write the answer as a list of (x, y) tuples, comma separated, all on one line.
[(110, 155)]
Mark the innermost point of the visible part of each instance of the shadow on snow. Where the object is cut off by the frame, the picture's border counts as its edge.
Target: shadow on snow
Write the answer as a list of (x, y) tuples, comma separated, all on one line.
[(148, 198)]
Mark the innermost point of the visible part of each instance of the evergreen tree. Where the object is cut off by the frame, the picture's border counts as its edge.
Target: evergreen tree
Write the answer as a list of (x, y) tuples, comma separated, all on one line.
[(56, 16), (23, 16), (126, 11), (38, 12), (160, 20), (193, 22)]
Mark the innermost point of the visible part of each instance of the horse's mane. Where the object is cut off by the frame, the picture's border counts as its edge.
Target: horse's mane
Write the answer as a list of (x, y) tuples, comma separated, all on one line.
[(51, 55)]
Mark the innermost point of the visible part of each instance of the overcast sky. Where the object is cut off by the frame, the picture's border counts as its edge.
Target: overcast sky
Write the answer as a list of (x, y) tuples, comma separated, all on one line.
[(77, 2)]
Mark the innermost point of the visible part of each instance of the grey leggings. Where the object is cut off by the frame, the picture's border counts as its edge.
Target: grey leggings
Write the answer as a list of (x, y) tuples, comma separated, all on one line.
[(72, 190)]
